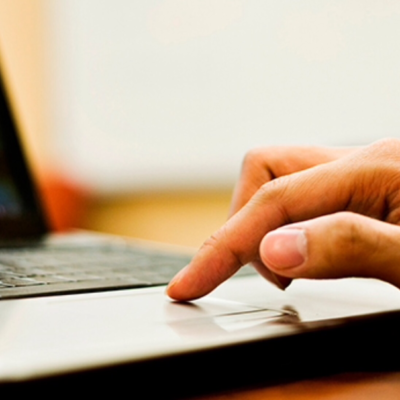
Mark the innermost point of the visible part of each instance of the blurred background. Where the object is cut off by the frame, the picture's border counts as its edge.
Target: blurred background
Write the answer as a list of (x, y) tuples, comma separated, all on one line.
[(136, 114)]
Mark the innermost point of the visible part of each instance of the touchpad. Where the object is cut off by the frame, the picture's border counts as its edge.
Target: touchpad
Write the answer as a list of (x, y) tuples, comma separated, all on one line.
[(209, 317)]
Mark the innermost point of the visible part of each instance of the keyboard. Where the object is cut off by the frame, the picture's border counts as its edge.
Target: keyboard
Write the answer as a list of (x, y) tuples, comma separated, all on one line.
[(51, 270)]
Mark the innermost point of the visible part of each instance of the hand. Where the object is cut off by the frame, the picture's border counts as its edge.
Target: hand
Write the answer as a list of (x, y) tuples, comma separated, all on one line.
[(306, 212)]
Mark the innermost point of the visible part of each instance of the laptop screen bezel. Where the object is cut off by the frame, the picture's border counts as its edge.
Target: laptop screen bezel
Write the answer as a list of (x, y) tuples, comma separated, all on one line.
[(30, 223)]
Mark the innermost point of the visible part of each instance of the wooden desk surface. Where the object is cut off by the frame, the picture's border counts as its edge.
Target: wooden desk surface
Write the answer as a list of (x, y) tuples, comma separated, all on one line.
[(183, 218), (349, 386)]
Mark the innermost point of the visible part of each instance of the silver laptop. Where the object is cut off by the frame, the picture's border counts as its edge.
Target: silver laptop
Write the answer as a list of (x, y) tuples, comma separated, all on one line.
[(85, 309)]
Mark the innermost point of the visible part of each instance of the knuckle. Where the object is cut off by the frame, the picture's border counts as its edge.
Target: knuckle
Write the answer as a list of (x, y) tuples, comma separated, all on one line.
[(385, 147), (255, 158), (211, 242), (388, 142), (265, 193), (273, 195), (350, 240), (220, 244), (274, 189)]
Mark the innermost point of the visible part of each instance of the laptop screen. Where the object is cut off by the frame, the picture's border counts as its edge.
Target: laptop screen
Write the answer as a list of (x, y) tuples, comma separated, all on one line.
[(20, 214), (11, 203)]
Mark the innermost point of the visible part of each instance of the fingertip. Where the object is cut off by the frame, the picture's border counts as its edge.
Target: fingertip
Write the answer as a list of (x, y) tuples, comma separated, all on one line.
[(192, 282), (170, 290), (180, 290)]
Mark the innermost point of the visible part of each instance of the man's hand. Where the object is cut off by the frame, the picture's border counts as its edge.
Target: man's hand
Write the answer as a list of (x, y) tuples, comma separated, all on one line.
[(306, 212)]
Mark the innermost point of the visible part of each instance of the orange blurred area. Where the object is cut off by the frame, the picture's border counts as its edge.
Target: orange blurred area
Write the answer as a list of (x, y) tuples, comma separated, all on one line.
[(64, 201), (181, 218)]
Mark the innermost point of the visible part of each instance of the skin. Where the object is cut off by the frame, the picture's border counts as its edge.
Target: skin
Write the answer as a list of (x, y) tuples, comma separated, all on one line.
[(306, 212)]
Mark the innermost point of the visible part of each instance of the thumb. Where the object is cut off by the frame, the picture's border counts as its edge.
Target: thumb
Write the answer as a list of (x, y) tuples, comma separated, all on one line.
[(334, 246)]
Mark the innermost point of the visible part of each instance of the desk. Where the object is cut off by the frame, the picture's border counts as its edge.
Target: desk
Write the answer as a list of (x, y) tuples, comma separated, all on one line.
[(183, 218), (349, 386)]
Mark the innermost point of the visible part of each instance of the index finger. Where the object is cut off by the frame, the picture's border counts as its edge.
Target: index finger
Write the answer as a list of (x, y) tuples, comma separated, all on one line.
[(288, 199)]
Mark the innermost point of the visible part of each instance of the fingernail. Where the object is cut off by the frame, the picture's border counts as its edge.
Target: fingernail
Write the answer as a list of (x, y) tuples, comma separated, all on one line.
[(284, 248)]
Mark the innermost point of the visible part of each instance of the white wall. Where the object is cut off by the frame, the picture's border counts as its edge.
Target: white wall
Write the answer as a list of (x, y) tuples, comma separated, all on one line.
[(173, 92)]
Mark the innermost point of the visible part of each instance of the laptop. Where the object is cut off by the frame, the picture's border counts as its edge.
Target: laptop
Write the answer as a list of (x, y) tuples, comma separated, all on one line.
[(89, 310)]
